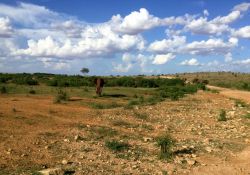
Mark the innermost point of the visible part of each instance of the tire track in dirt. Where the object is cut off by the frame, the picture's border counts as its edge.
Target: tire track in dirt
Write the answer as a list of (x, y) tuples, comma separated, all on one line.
[(231, 93)]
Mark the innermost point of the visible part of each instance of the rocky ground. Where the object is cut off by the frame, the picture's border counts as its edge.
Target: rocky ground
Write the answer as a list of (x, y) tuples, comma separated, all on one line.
[(37, 135)]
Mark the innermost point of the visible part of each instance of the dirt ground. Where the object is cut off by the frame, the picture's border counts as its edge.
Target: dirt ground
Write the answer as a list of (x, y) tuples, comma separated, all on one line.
[(36, 134), (243, 95)]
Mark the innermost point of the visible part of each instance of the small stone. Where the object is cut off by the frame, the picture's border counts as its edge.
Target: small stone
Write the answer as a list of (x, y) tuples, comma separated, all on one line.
[(46, 147), (209, 149), (147, 139), (64, 162), (77, 137), (206, 140), (191, 162), (194, 155), (243, 134), (66, 140), (134, 166), (23, 155)]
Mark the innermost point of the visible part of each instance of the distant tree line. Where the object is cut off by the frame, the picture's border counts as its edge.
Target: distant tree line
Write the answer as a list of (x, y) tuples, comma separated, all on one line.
[(78, 80)]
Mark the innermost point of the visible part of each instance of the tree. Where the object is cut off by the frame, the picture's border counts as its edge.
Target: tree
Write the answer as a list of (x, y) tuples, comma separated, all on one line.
[(85, 70)]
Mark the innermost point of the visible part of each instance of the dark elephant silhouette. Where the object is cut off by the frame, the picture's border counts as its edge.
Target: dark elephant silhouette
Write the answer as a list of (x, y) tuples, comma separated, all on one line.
[(99, 82)]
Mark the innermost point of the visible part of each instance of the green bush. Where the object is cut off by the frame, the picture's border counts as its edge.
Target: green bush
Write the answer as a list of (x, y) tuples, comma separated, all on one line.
[(61, 96), (116, 145), (165, 142), (222, 116)]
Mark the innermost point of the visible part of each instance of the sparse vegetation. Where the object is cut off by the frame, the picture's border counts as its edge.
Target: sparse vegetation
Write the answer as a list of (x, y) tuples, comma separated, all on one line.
[(116, 146), (165, 142), (240, 103), (105, 105), (61, 96), (247, 116), (123, 123), (105, 132), (82, 133), (222, 115), (142, 116)]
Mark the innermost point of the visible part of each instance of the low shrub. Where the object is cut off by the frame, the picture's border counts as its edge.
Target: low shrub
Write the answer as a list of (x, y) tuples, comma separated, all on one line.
[(61, 96), (166, 142), (222, 116), (116, 145)]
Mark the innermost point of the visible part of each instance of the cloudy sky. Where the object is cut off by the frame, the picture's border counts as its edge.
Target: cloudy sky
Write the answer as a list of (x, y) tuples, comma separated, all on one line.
[(124, 37)]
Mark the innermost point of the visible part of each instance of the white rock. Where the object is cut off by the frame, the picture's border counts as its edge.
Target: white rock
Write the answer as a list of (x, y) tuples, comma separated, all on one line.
[(64, 162), (147, 139), (52, 171), (209, 149), (191, 162)]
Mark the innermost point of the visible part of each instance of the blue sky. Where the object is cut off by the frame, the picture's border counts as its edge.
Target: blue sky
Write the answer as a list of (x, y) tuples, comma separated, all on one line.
[(124, 37)]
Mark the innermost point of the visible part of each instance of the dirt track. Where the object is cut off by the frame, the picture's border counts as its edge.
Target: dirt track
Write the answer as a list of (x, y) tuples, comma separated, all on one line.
[(238, 94)]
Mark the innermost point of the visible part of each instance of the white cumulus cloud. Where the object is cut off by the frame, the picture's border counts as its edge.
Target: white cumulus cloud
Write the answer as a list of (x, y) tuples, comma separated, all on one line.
[(139, 21), (167, 45), (243, 32), (163, 58), (191, 62), (210, 47)]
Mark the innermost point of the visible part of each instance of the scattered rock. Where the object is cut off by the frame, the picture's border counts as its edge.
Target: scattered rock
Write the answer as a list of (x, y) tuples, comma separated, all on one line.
[(52, 171), (209, 149)]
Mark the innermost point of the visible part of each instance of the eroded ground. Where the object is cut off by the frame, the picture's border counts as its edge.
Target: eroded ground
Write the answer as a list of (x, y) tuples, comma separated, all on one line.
[(36, 134)]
